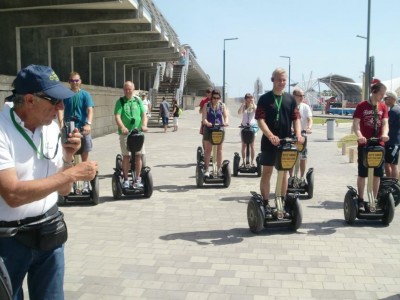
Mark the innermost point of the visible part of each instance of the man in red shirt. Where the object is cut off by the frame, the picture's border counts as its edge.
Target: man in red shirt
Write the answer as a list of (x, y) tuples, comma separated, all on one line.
[(370, 119)]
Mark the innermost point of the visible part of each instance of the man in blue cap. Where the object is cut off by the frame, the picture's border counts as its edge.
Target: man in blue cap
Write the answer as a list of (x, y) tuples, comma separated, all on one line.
[(34, 168)]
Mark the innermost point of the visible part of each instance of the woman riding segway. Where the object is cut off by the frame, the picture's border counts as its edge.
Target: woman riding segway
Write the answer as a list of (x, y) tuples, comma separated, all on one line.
[(248, 132)]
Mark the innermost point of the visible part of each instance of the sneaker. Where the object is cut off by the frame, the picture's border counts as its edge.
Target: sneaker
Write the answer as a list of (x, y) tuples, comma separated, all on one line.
[(126, 184), (268, 210), (219, 173), (85, 188), (361, 205), (303, 182), (139, 183), (207, 174)]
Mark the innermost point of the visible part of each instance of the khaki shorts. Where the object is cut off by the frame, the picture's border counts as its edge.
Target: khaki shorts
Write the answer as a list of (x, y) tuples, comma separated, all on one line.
[(124, 148)]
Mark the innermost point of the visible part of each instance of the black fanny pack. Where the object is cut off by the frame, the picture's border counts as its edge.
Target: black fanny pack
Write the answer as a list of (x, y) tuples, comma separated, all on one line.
[(45, 234)]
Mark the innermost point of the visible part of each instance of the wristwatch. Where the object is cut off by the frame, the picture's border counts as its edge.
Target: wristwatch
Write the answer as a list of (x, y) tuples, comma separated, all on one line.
[(89, 123)]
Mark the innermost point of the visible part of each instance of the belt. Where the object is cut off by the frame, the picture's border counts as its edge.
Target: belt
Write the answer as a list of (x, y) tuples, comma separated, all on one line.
[(28, 220)]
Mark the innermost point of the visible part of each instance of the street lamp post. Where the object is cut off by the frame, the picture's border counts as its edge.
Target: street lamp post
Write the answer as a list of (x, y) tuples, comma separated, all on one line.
[(367, 63), (288, 57), (223, 70)]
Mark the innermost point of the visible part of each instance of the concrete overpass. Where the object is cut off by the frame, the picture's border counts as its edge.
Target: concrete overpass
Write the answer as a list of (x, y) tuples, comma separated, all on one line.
[(107, 42)]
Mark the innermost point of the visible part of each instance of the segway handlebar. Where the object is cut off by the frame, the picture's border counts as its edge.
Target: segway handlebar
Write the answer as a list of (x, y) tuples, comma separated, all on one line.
[(288, 140)]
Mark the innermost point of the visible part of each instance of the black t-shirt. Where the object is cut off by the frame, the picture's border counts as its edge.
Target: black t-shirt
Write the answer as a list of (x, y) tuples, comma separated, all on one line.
[(267, 109), (176, 113), (394, 126)]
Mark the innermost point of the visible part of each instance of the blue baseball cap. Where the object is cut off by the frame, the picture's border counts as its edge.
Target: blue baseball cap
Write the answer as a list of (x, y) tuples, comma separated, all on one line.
[(36, 78)]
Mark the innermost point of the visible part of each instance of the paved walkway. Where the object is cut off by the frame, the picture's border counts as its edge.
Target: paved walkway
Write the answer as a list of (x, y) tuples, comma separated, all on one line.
[(190, 243)]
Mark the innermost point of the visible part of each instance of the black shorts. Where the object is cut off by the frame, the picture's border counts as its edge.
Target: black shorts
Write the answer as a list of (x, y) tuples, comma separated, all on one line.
[(362, 170), (392, 154), (268, 156)]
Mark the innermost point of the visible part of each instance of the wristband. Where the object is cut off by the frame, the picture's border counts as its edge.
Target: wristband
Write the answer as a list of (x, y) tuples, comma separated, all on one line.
[(68, 164)]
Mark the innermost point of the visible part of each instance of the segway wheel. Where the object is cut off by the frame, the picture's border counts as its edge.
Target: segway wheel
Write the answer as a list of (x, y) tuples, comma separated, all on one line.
[(199, 176), (199, 154), (255, 216), (148, 184), (116, 187), (118, 162), (227, 176), (388, 210), (95, 190), (236, 161), (310, 185), (259, 167), (349, 208), (61, 200), (297, 215)]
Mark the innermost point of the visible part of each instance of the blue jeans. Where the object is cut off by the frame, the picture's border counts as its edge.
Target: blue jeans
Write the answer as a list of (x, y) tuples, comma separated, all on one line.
[(45, 270)]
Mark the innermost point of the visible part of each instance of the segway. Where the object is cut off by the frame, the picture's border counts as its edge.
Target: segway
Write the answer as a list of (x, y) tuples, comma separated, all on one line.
[(381, 208), (287, 211), (247, 135), (79, 193), (295, 184), (135, 143), (216, 136)]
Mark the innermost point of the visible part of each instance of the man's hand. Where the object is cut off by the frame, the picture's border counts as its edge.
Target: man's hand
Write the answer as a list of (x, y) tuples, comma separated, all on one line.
[(384, 138), (83, 171), (300, 139), (362, 140), (274, 140), (86, 129), (74, 143), (124, 130), (145, 129)]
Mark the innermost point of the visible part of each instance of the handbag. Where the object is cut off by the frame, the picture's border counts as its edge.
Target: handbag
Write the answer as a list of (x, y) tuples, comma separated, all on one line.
[(46, 234)]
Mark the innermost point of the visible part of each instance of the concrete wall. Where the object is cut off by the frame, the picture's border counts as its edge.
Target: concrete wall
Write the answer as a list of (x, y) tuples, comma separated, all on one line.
[(104, 100)]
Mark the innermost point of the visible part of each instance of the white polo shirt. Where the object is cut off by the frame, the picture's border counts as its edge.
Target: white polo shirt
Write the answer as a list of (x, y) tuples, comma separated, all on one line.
[(16, 152), (305, 112)]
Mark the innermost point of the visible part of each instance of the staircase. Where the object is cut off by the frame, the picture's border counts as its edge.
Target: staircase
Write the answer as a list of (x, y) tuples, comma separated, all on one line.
[(167, 89)]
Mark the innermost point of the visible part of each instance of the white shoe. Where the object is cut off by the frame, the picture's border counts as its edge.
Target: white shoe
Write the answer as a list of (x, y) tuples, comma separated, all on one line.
[(85, 188), (139, 184), (207, 174), (219, 173), (126, 184)]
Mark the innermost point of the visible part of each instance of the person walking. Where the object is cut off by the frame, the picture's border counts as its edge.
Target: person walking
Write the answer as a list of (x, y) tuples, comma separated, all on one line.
[(130, 114), (35, 167), (164, 113), (175, 114)]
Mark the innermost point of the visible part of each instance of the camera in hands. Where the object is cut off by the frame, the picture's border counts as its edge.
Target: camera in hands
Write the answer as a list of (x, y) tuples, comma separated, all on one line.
[(66, 130)]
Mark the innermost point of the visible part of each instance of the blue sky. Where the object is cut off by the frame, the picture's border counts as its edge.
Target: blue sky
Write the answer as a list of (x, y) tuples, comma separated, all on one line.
[(318, 35)]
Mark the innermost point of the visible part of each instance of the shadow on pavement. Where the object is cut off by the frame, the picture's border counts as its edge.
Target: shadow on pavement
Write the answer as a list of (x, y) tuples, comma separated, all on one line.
[(328, 205), (179, 166)]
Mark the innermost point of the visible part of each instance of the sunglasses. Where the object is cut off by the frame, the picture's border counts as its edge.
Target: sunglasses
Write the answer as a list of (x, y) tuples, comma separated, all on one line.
[(74, 80), (53, 101), (216, 97), (300, 95)]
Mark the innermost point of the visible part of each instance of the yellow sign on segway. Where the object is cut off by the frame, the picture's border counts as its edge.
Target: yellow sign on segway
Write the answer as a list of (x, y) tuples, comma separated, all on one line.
[(374, 159), (288, 159), (217, 137)]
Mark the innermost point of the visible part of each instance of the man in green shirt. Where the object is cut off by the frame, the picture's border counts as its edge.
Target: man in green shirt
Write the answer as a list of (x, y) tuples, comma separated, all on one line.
[(130, 114)]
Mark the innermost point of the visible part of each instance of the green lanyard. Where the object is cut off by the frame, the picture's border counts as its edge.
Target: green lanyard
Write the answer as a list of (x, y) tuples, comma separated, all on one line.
[(278, 105), (29, 140), (75, 103)]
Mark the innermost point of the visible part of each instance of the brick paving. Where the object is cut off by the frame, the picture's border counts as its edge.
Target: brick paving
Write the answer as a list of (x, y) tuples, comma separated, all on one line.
[(190, 243)]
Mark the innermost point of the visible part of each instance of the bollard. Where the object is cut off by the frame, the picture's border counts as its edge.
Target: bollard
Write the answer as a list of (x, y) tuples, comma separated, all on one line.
[(343, 148), (352, 155), (330, 129)]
